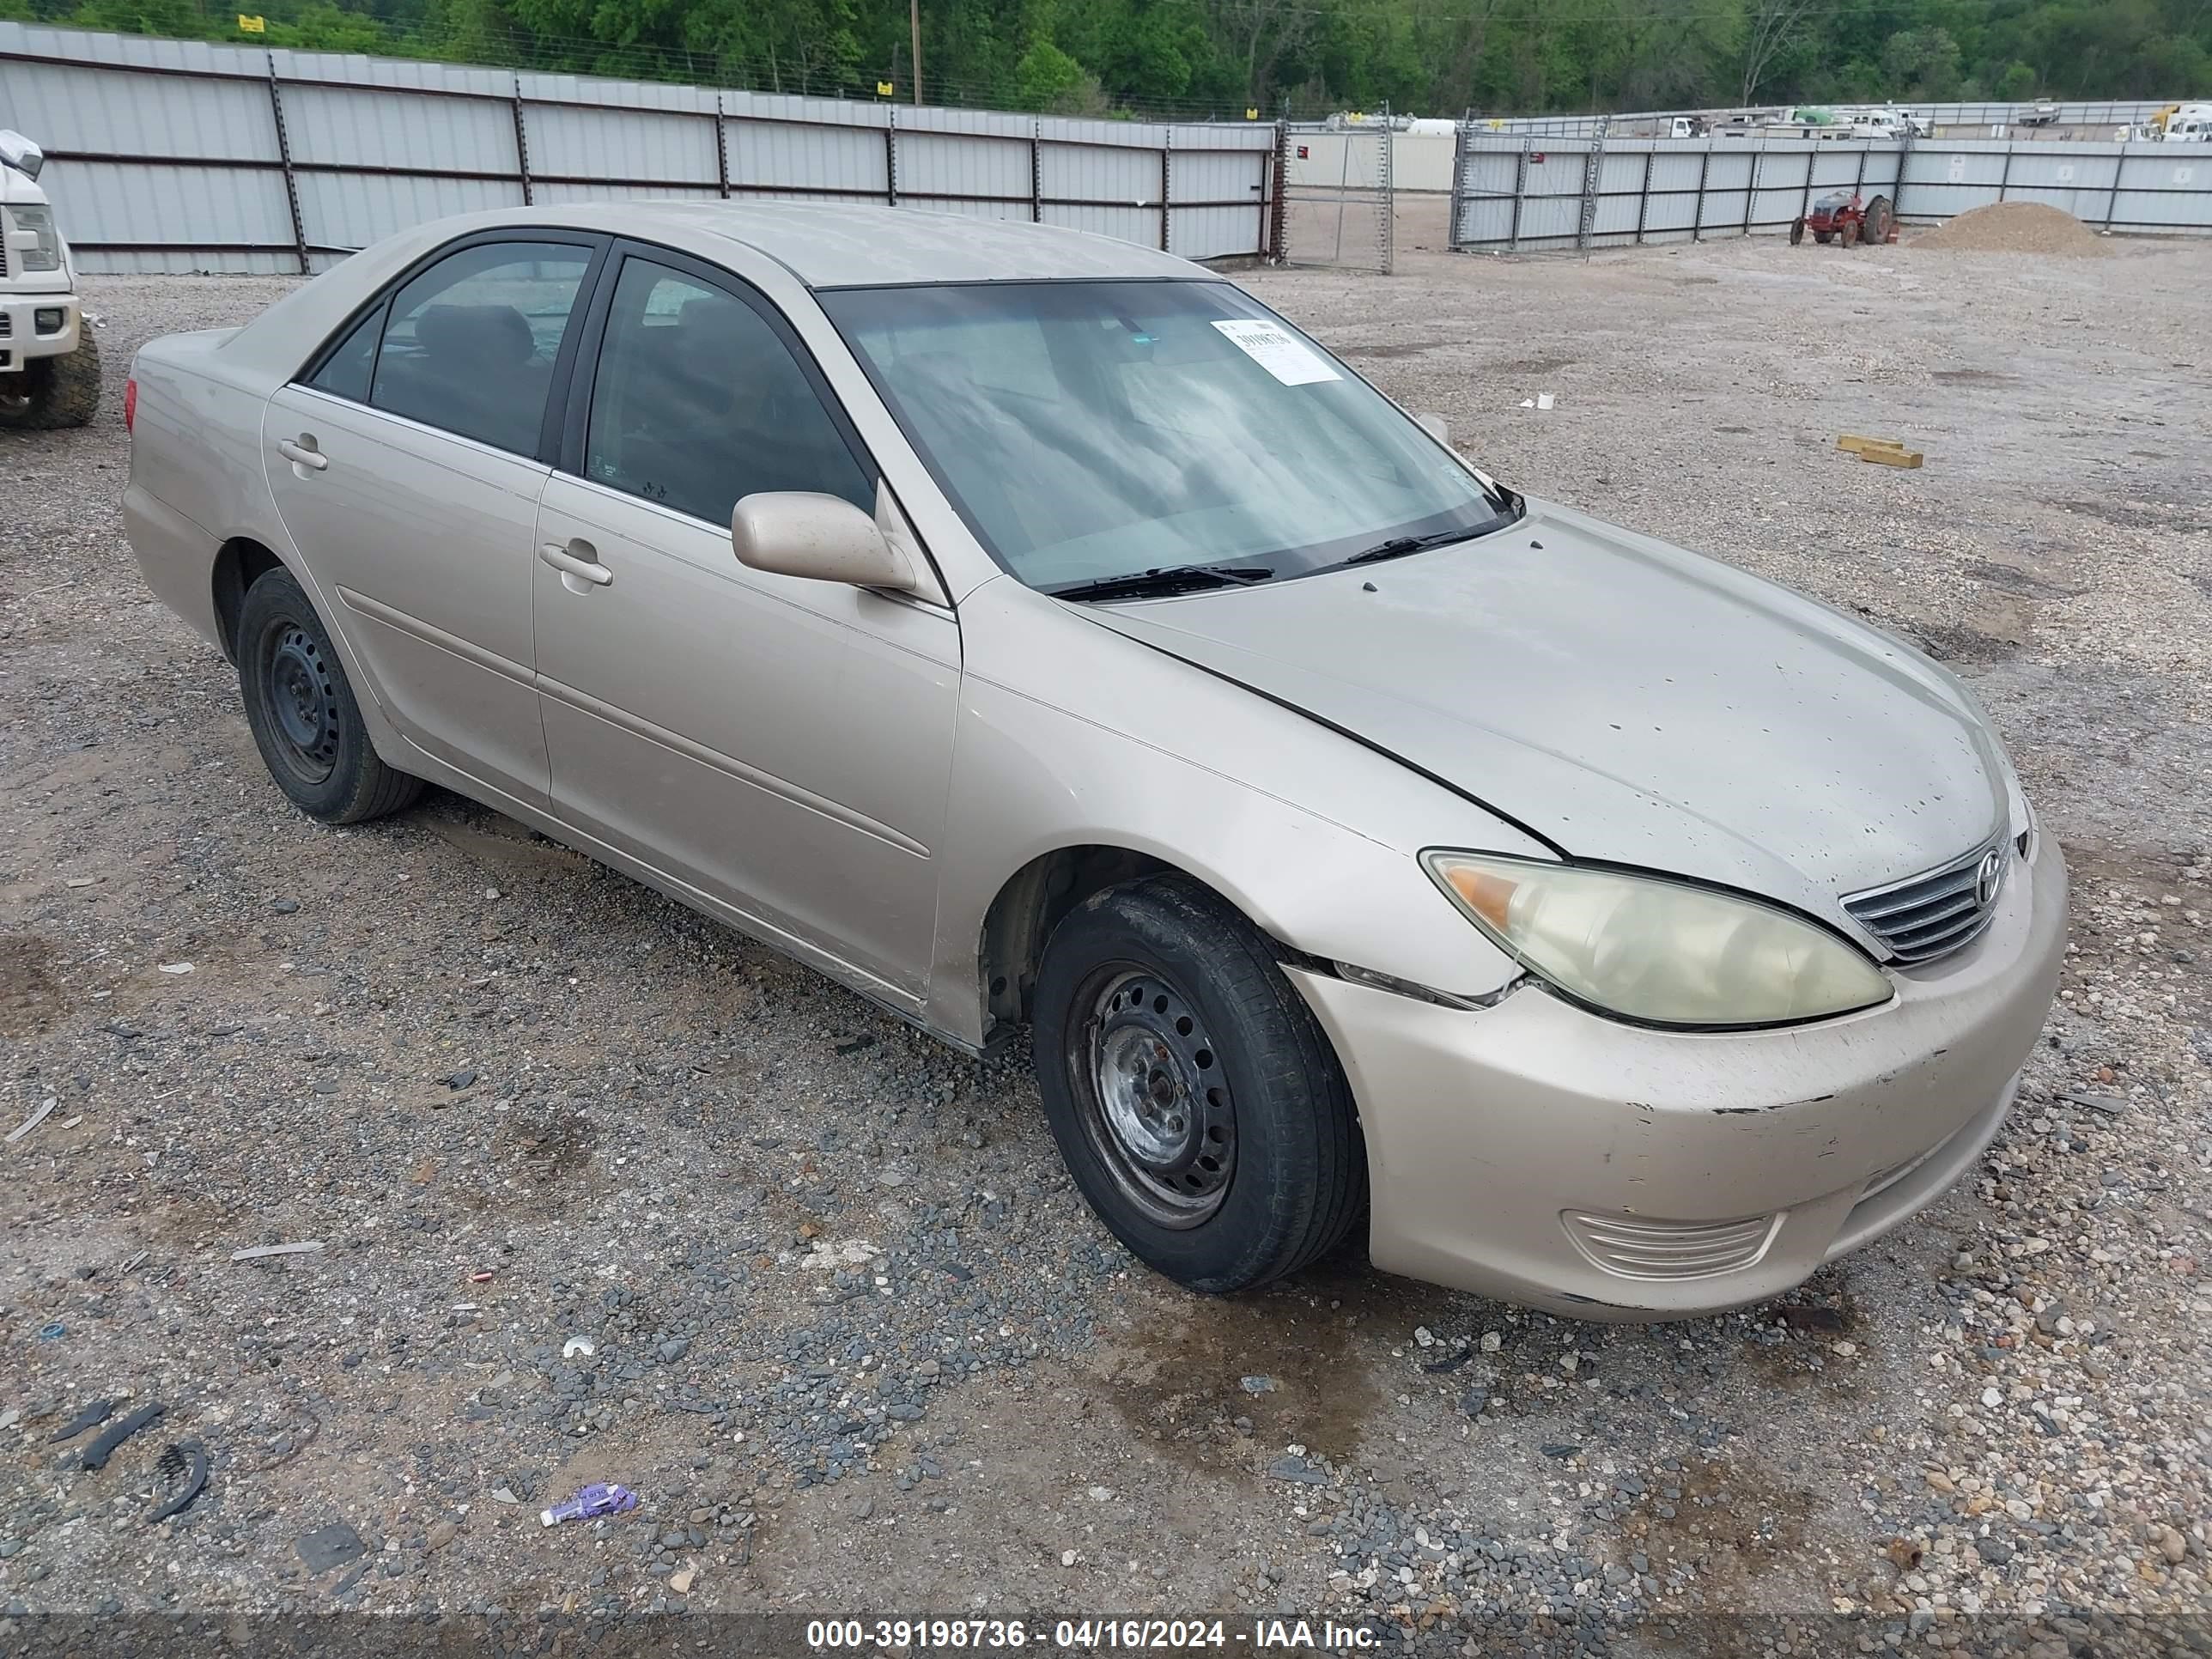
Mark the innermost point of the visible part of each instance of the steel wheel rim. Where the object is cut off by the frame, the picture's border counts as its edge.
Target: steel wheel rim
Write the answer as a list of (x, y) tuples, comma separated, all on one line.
[(301, 693), (1153, 1099)]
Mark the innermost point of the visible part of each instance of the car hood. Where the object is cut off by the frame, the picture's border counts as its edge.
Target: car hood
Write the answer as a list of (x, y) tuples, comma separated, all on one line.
[(1628, 702)]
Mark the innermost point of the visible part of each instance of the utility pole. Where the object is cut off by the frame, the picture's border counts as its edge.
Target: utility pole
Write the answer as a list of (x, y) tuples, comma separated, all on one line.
[(914, 18)]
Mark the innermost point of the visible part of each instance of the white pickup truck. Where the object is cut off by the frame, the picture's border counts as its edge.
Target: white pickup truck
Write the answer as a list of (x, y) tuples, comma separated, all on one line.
[(49, 359)]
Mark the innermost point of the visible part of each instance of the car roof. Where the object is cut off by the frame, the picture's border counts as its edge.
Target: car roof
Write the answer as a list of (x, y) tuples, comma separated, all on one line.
[(842, 245)]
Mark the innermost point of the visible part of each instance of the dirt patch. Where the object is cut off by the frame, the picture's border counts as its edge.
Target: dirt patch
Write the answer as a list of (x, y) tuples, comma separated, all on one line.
[(1737, 1525), (1393, 348), (28, 994), (2014, 227), (1187, 1369)]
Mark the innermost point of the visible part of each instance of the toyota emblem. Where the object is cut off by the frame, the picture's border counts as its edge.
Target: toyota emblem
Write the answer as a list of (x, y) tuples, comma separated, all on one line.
[(1989, 876)]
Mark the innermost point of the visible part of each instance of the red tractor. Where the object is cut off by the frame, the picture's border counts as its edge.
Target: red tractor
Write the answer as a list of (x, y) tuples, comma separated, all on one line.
[(1842, 217)]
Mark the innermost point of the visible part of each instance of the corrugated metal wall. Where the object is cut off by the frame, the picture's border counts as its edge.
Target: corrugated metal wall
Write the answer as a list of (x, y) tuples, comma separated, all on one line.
[(1528, 192), (169, 156)]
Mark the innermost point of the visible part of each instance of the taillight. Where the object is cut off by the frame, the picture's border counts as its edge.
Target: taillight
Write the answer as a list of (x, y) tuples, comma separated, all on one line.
[(130, 402)]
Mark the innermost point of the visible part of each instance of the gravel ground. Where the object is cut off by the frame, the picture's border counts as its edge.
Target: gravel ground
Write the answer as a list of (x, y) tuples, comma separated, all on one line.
[(855, 1340)]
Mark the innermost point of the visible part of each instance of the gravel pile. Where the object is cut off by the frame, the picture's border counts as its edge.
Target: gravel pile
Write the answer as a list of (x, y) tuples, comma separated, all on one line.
[(605, 1192), (2015, 228)]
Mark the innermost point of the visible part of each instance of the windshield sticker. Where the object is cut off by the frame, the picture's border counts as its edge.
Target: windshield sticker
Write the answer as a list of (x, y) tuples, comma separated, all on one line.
[(1289, 359)]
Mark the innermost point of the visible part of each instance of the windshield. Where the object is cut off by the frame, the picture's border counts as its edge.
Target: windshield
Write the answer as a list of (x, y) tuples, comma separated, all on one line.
[(1094, 430)]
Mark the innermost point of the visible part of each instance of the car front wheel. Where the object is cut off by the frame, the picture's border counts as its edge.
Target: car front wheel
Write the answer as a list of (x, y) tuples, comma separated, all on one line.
[(1198, 1103), (302, 712)]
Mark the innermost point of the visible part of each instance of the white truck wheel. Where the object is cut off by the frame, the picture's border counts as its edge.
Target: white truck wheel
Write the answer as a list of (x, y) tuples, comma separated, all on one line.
[(54, 392)]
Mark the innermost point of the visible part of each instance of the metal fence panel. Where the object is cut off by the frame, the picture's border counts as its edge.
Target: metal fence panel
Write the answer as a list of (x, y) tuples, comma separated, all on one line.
[(1129, 224), (826, 159), (118, 206), (942, 170), (352, 210), (1213, 232), (580, 141), (367, 128), (1098, 173), (1513, 195), (240, 159), (112, 113)]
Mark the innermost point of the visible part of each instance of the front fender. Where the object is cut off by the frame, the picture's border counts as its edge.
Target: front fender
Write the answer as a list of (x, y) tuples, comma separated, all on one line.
[(1071, 735)]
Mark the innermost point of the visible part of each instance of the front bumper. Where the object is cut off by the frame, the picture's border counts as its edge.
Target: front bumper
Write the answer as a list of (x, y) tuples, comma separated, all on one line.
[(20, 339), (1544, 1155)]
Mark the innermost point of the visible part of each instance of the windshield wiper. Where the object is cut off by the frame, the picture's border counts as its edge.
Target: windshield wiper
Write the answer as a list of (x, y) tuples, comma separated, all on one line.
[(1168, 578), (1398, 546)]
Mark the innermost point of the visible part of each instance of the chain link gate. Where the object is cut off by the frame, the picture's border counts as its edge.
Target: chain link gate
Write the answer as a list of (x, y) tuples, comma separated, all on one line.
[(1334, 201)]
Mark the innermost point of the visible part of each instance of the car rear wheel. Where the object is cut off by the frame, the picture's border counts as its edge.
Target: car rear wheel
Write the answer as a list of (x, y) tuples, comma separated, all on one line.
[(1196, 1099), (303, 713)]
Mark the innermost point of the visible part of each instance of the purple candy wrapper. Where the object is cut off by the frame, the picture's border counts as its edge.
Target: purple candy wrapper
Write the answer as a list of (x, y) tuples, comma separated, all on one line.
[(593, 1500)]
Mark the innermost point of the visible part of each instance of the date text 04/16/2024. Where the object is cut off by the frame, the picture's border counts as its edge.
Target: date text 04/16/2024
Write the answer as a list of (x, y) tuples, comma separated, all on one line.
[(1084, 1635)]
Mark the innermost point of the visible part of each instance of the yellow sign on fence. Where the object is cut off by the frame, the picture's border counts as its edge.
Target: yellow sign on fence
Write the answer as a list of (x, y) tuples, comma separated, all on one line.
[(1251, 114), (885, 88), (252, 24)]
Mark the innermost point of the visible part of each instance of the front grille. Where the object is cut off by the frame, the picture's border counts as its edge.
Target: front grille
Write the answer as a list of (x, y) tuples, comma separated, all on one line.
[(7, 323), (1638, 1247), (1924, 915)]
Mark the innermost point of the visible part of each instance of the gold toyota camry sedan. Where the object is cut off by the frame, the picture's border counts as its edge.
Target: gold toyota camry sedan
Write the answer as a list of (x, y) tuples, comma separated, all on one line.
[(1029, 630)]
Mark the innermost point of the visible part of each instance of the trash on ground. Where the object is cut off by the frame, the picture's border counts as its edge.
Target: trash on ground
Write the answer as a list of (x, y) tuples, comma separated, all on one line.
[(175, 967), (81, 881), (52, 1333), (850, 1253), (1258, 1385), (328, 1547), (255, 1252), (182, 1471), (597, 1498), (1450, 1361), (46, 1107), (480, 1278), (97, 1453), (1884, 452), (97, 1412), (1543, 400), (2109, 1105), (501, 1495), (576, 1345)]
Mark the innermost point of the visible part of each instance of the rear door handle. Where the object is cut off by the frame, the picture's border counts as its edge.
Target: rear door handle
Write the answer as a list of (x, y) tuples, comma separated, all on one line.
[(573, 559), (301, 455)]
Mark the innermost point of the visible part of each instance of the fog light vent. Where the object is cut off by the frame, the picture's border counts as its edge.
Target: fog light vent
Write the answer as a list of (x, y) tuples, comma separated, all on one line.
[(1638, 1247)]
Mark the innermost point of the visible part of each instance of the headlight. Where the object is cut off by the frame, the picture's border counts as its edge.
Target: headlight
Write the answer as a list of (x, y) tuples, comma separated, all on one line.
[(1657, 950), (45, 254)]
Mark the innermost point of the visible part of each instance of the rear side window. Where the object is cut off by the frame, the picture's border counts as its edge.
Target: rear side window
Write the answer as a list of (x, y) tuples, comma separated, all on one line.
[(470, 344), (697, 403), (345, 373)]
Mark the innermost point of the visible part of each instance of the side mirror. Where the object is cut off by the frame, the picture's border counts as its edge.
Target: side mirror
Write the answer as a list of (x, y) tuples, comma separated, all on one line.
[(20, 154), (1435, 427), (795, 533)]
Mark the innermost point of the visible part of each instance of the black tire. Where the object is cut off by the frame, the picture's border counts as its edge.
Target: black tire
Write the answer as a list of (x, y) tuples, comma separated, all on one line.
[(54, 392), (1875, 226), (1797, 232), (1163, 974), (302, 712)]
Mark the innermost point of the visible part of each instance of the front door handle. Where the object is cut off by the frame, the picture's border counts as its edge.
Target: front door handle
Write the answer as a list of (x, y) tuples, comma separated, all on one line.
[(577, 559), (303, 454)]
